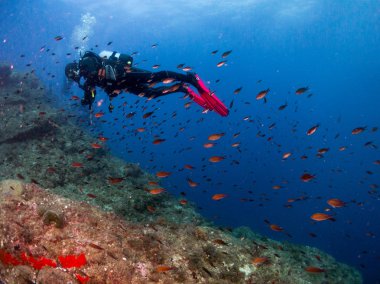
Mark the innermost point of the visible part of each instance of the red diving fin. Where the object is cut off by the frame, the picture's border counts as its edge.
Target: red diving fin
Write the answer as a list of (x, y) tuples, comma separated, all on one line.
[(213, 102), (198, 99)]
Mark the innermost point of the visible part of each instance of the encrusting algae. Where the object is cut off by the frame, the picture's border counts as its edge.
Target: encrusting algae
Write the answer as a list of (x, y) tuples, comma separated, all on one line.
[(72, 213)]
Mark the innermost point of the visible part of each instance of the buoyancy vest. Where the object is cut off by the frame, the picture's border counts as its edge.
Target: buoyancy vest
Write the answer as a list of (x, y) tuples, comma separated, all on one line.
[(90, 63), (119, 62)]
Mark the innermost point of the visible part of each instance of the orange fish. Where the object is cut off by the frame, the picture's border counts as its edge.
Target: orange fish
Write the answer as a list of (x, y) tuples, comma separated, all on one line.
[(146, 115), (50, 170), (321, 217), (153, 183), (237, 91), (314, 269), (158, 141), (115, 180), (183, 202), (168, 80), (226, 53), (276, 228), (103, 139), (163, 174), (77, 165), (140, 129), (216, 159), (208, 145), (156, 191), (342, 148), (302, 90), (216, 136), (358, 130), (219, 196), (151, 209), (236, 135), (234, 145), (130, 115), (312, 130), (188, 167), (259, 260), (75, 98), (96, 146), (163, 268), (99, 114), (221, 63), (286, 155), (306, 177), (336, 203), (262, 94), (192, 183)]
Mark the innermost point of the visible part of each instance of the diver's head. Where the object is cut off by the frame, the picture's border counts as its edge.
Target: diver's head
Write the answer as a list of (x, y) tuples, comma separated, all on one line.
[(72, 71)]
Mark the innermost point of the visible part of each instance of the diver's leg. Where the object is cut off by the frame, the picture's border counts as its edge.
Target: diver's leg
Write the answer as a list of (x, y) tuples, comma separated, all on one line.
[(145, 91), (153, 93), (140, 76)]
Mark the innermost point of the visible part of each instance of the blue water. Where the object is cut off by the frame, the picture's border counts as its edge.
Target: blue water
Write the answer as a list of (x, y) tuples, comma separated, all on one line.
[(332, 47)]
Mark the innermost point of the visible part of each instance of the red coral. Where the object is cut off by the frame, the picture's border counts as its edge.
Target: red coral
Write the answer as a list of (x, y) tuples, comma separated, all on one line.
[(38, 263), (8, 259), (70, 261), (82, 279)]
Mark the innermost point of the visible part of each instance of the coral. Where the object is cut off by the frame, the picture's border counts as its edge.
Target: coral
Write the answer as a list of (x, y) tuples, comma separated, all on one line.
[(50, 216)]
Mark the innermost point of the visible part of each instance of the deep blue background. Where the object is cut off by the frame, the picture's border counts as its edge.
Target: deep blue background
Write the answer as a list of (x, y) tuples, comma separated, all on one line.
[(330, 46)]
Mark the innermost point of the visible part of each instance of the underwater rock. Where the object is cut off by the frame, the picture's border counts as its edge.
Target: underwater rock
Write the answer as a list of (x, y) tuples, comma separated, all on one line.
[(11, 187), (5, 74), (50, 275), (40, 131), (93, 241), (133, 170)]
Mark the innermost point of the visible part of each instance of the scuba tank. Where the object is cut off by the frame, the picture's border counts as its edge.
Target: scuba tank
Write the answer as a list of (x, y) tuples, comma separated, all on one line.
[(116, 64)]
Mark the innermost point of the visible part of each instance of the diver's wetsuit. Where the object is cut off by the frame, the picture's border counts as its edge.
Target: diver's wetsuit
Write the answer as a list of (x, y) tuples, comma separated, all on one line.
[(115, 74), (131, 79), (138, 81)]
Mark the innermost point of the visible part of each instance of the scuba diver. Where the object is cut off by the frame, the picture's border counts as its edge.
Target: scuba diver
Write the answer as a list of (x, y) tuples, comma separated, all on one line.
[(113, 72)]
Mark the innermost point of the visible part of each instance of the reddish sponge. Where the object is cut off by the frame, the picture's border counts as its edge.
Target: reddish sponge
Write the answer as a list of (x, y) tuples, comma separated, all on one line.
[(38, 263), (70, 261), (8, 259), (82, 279)]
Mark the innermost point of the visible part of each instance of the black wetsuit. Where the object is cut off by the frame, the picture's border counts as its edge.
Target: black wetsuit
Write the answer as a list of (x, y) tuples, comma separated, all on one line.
[(133, 80)]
